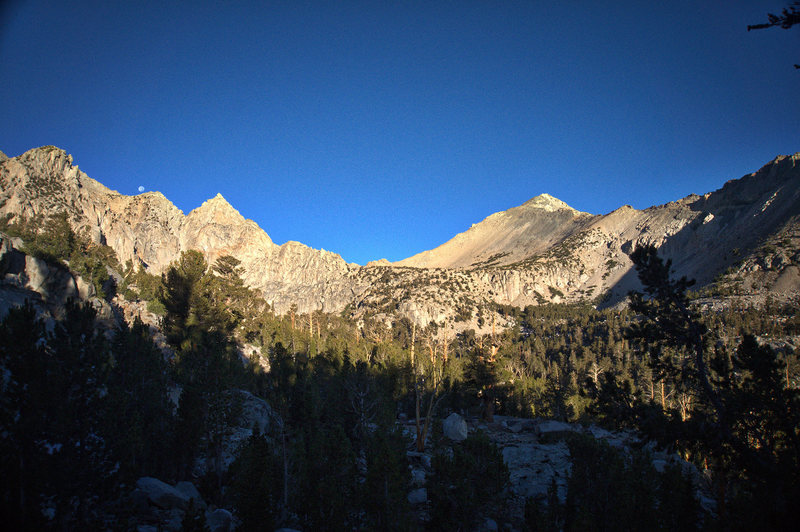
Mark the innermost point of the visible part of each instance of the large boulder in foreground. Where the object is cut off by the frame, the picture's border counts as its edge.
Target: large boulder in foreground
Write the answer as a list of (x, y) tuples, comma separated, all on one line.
[(219, 520), (455, 428), (167, 497)]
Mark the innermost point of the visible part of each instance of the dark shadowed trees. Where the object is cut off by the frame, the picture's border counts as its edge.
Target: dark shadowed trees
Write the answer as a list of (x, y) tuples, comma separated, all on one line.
[(744, 424)]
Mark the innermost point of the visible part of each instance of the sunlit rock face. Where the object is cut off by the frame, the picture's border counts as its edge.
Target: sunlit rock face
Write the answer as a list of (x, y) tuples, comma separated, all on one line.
[(26, 279), (541, 251), (149, 230), (506, 237)]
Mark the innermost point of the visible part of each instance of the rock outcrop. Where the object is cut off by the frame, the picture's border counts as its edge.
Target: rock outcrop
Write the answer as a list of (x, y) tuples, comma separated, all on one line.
[(45, 285), (156, 505), (537, 455)]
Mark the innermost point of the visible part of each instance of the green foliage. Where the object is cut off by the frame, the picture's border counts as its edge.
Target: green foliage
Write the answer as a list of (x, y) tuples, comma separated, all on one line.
[(18, 227), (335, 459), (608, 491), (482, 376), (387, 481), (463, 313), (761, 457), (56, 241), (325, 452), (25, 404), (156, 307), (555, 292), (182, 294), (148, 286), (138, 405)]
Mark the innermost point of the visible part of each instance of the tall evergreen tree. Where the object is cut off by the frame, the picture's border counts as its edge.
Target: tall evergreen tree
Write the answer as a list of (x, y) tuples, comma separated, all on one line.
[(139, 413), (746, 423)]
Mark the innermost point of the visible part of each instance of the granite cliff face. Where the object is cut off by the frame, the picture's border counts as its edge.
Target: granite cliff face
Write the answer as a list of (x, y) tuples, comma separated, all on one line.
[(542, 251)]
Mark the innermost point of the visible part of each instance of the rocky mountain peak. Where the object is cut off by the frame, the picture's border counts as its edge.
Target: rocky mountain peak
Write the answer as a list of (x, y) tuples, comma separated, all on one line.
[(152, 195), (3, 157), (548, 203), (51, 156), (505, 237), (217, 210), (379, 262)]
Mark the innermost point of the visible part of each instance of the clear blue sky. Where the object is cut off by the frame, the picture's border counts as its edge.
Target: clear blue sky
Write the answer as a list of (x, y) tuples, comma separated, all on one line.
[(382, 128)]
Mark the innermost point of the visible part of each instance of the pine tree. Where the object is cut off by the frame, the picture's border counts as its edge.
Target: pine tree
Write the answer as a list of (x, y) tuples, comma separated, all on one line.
[(139, 406), (255, 485)]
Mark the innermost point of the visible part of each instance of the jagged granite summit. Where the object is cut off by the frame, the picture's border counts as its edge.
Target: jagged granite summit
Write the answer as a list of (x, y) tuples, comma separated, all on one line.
[(541, 251)]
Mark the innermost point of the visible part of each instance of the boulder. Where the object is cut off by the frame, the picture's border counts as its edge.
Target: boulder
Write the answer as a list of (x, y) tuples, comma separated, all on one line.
[(659, 465), (551, 430), (489, 525), (137, 502), (84, 288), (533, 466), (254, 412), (190, 492), (455, 427), (174, 521), (162, 494), (219, 520), (551, 425)]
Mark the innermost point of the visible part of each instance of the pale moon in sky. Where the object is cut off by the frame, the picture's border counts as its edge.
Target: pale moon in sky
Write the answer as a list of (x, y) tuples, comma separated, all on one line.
[(141, 188)]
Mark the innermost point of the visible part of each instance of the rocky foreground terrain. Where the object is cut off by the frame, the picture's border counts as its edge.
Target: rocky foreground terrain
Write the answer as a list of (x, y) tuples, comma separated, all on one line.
[(534, 450), (745, 236)]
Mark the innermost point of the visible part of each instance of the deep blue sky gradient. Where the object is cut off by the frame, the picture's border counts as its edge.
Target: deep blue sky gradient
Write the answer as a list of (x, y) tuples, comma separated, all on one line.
[(383, 128)]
